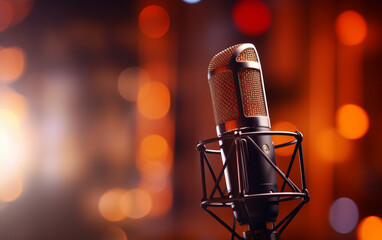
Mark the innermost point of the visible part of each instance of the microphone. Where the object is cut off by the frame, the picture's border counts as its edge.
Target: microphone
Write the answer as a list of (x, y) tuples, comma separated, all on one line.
[(239, 104)]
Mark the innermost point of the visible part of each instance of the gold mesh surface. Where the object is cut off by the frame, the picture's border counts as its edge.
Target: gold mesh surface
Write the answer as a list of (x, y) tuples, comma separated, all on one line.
[(252, 92), (222, 59), (223, 97), (247, 55)]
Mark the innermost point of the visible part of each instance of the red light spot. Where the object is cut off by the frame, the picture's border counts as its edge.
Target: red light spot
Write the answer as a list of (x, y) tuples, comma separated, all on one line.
[(251, 17)]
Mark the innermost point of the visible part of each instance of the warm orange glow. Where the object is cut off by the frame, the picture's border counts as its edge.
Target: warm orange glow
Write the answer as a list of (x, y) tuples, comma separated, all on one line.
[(330, 146), (278, 139), (136, 203), (10, 188), (351, 28), (6, 14), (129, 82), (154, 21), (115, 233), (10, 99), (154, 100), (352, 121), (370, 228), (109, 205), (12, 63), (162, 202), (154, 146)]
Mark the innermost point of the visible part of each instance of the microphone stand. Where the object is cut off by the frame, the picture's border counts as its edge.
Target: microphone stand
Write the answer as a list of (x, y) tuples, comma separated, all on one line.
[(215, 197)]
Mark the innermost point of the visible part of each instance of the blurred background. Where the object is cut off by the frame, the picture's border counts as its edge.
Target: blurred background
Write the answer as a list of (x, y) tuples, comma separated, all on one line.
[(102, 104)]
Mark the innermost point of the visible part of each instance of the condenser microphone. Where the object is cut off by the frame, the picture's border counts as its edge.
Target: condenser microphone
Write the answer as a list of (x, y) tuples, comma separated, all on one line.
[(239, 104)]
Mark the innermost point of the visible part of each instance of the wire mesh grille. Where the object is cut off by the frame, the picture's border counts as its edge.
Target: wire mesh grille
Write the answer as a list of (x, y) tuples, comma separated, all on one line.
[(224, 97), (252, 93), (247, 55)]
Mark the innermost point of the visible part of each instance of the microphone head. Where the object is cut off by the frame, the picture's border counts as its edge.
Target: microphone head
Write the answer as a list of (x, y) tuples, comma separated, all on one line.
[(237, 89)]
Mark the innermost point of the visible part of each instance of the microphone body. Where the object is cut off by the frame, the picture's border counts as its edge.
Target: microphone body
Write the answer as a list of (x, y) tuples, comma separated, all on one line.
[(239, 103)]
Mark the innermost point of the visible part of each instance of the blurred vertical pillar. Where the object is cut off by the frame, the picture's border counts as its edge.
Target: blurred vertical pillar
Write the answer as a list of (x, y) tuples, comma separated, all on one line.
[(321, 115), (158, 56)]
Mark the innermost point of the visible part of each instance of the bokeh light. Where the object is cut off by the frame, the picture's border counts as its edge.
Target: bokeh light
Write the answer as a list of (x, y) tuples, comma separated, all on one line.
[(370, 228), (129, 82), (343, 215), (136, 203), (114, 233), (154, 21), (12, 63), (6, 15), (351, 28), (109, 205), (11, 143), (10, 188), (191, 1), (251, 17), (153, 100), (332, 147), (154, 146), (9, 99), (21, 9), (352, 121), (279, 139)]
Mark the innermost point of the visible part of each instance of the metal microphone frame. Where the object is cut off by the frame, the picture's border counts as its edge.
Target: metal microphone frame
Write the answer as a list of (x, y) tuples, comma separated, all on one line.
[(224, 200)]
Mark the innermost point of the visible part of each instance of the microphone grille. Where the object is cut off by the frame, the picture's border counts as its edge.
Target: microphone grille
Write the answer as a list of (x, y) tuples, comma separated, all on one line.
[(222, 59), (247, 54), (252, 93), (223, 94)]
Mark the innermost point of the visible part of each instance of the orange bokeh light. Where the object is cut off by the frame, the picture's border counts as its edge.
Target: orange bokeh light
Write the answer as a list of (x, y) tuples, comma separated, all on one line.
[(331, 147), (10, 188), (12, 63), (115, 233), (136, 203), (6, 15), (10, 99), (370, 228), (154, 21), (154, 146), (352, 121), (154, 100), (251, 17), (351, 28), (279, 139), (109, 205)]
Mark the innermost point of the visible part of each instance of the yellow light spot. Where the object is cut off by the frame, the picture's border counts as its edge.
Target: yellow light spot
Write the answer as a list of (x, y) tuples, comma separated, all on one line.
[(352, 121), (279, 139), (136, 203), (351, 28), (370, 228), (10, 188), (12, 63), (154, 146), (154, 21), (10, 99), (154, 100), (109, 205), (332, 147), (129, 82), (115, 233)]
